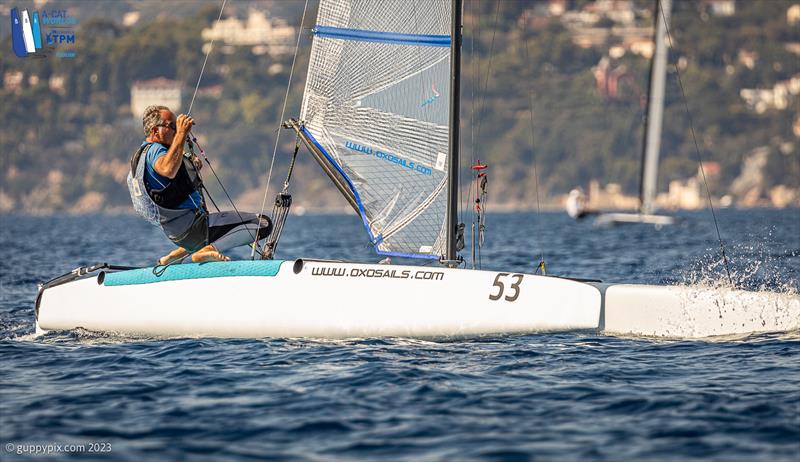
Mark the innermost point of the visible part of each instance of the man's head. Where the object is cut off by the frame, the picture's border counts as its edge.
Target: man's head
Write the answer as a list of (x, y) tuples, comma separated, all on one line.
[(158, 123)]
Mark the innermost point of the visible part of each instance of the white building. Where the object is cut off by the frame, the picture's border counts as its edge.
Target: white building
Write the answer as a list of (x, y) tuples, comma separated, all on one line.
[(258, 31), (793, 14), (779, 97), (722, 7), (12, 80), (159, 91)]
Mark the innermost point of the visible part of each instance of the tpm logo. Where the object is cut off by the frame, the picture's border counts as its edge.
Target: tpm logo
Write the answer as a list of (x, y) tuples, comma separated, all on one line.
[(27, 31)]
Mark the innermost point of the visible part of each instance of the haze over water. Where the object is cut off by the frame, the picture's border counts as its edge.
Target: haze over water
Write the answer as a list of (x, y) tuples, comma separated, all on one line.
[(575, 396)]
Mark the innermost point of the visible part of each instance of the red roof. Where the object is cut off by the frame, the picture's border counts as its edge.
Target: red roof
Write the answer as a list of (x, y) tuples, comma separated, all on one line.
[(711, 168)]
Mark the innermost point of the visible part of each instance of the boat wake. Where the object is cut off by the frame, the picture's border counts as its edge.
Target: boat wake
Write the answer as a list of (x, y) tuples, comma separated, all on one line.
[(753, 267)]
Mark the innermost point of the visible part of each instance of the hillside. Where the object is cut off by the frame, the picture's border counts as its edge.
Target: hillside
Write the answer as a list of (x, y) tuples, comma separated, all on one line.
[(66, 127)]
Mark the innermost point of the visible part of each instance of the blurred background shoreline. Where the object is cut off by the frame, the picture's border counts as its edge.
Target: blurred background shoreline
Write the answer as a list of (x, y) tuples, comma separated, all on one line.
[(68, 125)]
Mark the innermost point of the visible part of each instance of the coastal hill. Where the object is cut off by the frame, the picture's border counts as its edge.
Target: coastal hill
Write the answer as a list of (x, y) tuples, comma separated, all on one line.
[(69, 125)]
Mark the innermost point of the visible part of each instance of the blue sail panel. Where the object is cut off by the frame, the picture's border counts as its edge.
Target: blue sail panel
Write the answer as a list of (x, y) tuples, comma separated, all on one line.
[(382, 37)]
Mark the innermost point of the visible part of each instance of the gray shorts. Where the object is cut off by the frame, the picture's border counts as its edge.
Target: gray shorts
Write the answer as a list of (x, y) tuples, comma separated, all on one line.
[(227, 230)]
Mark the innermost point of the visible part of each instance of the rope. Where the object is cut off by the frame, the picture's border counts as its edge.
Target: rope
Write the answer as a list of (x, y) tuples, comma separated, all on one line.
[(280, 120), (475, 82), (208, 162), (697, 149), (193, 139), (472, 117), (533, 156), (202, 69), (158, 270)]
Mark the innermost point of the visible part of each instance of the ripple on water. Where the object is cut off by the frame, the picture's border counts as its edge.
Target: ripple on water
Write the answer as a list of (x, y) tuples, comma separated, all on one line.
[(556, 397)]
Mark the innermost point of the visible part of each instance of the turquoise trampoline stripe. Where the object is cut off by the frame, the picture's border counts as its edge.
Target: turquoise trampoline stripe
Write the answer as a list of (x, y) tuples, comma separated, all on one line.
[(195, 271)]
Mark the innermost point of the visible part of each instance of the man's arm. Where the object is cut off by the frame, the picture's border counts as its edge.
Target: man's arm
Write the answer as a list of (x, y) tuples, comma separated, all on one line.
[(168, 164)]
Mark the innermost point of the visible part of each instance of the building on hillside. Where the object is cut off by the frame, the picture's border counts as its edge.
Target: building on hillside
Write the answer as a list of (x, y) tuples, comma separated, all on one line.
[(541, 14), (56, 83), (130, 18), (720, 7), (12, 81), (779, 97), (793, 14), (557, 7), (587, 37), (681, 195), (644, 47), (782, 196), (610, 197), (210, 91), (161, 91), (689, 194), (619, 11), (262, 34)]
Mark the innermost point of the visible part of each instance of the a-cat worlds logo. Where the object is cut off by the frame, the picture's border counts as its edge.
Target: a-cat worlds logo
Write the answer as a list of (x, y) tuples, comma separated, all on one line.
[(28, 37)]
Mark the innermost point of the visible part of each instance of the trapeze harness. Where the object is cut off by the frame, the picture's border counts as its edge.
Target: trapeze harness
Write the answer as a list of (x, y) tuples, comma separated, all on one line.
[(187, 228)]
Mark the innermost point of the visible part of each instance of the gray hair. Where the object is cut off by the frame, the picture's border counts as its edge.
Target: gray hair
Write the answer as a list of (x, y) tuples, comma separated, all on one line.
[(152, 118)]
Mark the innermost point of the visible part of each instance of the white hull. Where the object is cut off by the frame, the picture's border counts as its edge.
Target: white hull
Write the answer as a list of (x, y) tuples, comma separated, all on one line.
[(349, 300), (343, 300), (696, 312), (610, 219)]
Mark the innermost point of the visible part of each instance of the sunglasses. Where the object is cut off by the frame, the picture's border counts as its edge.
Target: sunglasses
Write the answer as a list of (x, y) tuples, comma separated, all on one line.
[(169, 125)]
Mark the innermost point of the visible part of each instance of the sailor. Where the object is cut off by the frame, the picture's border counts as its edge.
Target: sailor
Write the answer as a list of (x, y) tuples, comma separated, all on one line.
[(576, 204), (174, 199)]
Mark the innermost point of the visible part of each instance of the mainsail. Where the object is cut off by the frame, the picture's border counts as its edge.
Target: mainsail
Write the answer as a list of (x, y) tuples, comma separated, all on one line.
[(376, 105)]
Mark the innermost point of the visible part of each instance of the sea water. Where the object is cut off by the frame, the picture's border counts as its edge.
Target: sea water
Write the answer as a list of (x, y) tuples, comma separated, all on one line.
[(570, 397)]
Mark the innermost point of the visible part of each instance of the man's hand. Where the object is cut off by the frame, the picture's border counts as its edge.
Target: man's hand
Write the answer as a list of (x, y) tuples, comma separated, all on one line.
[(168, 164), (182, 126)]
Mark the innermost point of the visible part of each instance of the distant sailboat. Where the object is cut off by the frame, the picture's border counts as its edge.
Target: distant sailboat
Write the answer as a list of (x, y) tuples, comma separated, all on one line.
[(652, 137)]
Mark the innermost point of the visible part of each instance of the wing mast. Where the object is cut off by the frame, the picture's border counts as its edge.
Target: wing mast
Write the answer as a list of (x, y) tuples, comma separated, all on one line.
[(451, 256), (655, 111)]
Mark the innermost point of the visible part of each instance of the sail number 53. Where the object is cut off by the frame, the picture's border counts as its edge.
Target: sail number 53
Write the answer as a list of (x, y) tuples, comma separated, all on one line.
[(513, 288)]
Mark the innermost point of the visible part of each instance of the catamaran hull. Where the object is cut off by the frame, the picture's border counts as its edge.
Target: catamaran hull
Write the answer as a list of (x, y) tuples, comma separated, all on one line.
[(345, 300), (696, 311), (319, 299)]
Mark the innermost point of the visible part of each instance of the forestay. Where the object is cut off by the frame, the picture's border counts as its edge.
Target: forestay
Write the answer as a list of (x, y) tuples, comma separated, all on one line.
[(376, 103)]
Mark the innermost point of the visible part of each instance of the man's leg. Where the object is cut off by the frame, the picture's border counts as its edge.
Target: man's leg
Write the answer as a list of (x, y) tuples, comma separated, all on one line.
[(208, 253), (173, 256), (227, 230)]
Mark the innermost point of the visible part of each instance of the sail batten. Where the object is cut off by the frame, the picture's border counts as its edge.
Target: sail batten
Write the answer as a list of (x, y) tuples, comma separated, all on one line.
[(376, 106), (382, 37)]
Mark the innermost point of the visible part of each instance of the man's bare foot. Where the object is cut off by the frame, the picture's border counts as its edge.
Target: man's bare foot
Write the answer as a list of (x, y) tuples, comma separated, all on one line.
[(208, 253), (173, 256)]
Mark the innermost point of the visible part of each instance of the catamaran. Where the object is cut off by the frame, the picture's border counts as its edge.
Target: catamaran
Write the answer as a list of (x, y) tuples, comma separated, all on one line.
[(380, 114), (652, 136)]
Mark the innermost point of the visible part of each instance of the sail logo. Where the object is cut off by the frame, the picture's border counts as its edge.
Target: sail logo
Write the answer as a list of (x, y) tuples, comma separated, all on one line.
[(432, 98), (409, 164), (28, 37)]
